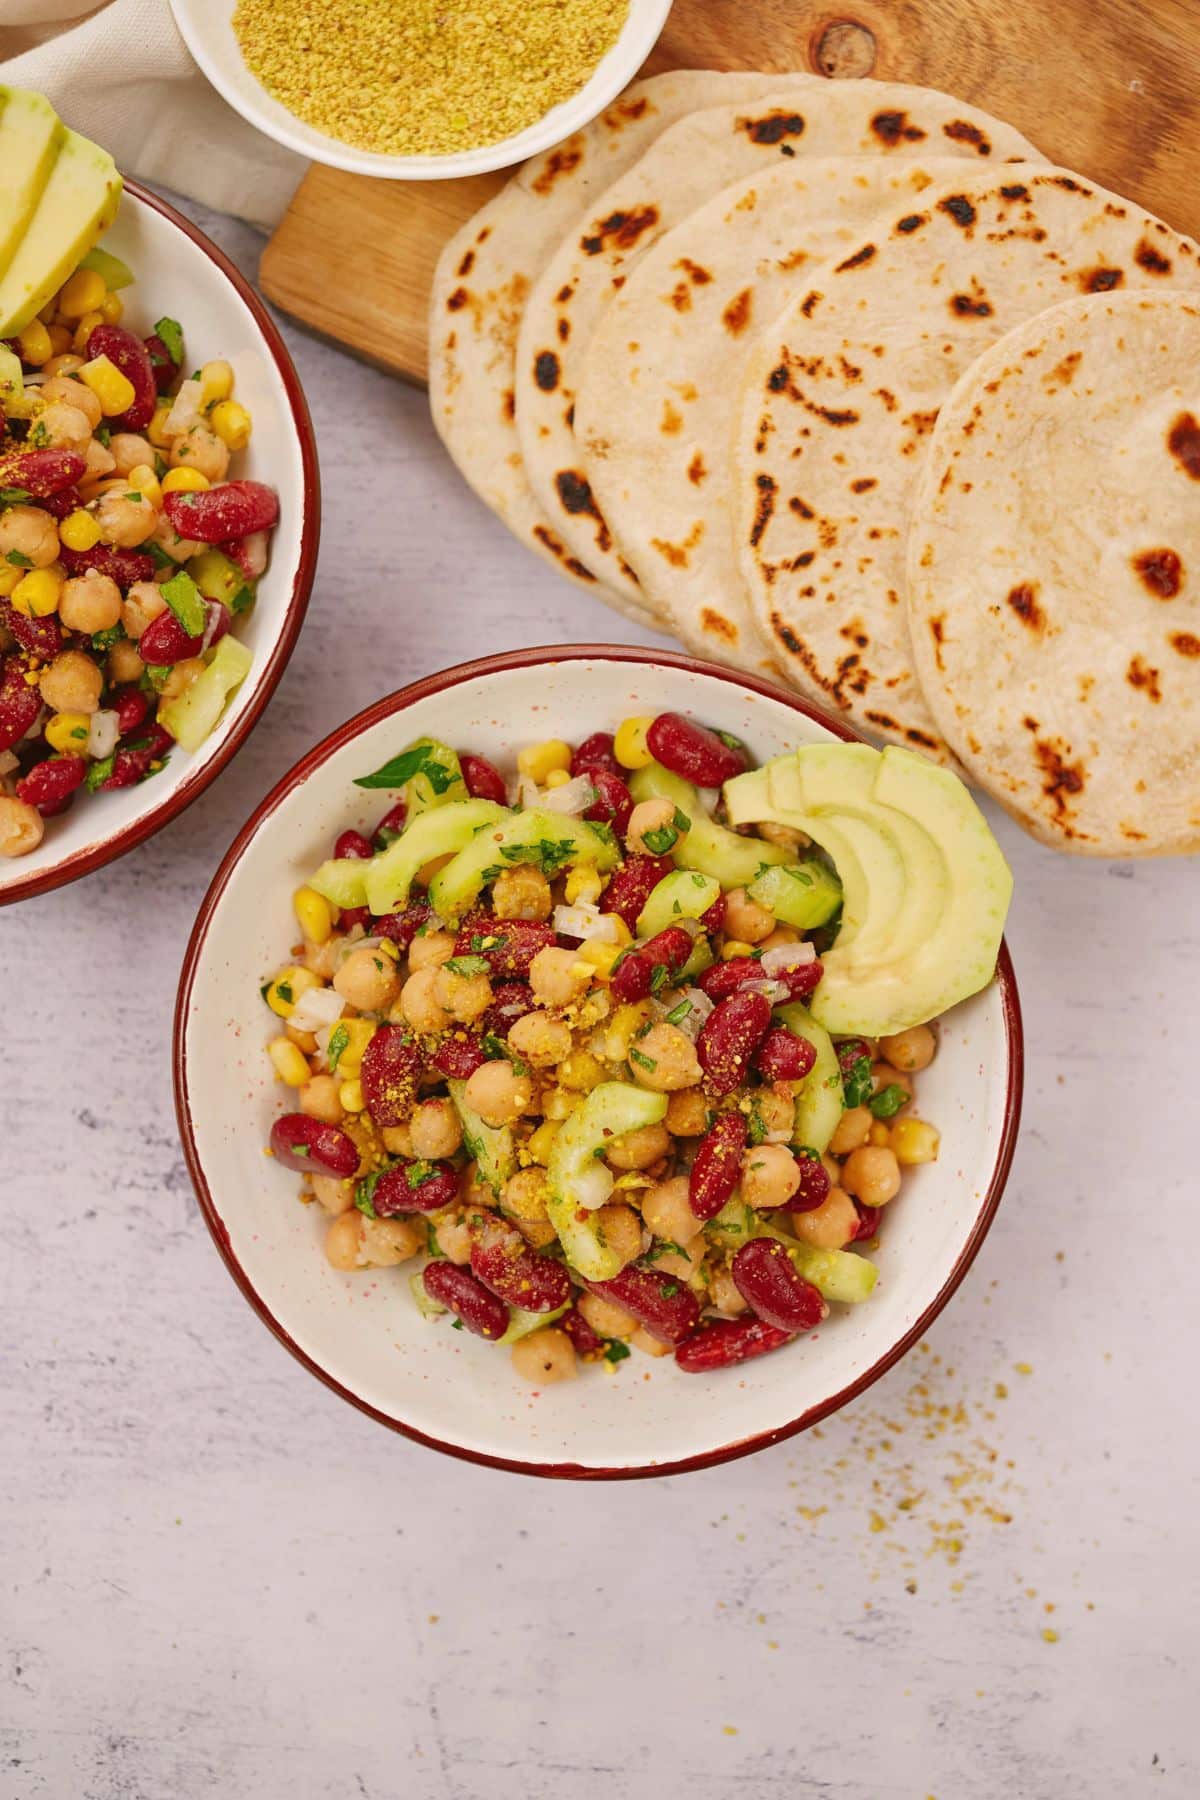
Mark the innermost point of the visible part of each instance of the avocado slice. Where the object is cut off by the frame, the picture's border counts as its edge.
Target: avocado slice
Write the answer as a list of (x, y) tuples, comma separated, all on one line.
[(79, 201), (706, 846), (31, 136), (749, 799)]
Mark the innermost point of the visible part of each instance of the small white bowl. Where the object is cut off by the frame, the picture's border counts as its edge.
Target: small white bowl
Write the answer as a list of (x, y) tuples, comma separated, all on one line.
[(207, 29), (361, 1333), (182, 275)]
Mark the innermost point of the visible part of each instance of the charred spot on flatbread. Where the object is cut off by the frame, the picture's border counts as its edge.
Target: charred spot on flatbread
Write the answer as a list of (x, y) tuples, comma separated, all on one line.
[(1101, 280), (1184, 643), (773, 127), (1150, 259), (560, 162), (546, 370), (974, 305), (1183, 441), (696, 469), (1015, 190), (554, 544), (777, 380), (863, 485), (1061, 779), (466, 265), (1140, 675), (620, 230), (575, 492), (764, 507), (958, 208), (736, 315), (1160, 571), (1023, 601), (458, 299), (717, 625), (912, 222), (678, 554), (856, 261), (892, 128), (963, 132)]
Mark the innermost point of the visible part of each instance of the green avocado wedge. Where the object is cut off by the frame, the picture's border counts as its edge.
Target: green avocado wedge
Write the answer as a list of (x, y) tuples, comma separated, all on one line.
[(78, 202), (31, 136)]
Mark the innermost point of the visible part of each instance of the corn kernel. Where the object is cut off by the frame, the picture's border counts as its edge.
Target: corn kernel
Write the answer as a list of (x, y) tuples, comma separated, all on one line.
[(9, 578), (35, 343), (558, 778), (114, 391), (914, 1141), (84, 330), (558, 1104), (734, 947), (289, 1062), (143, 481), (597, 958), (624, 935), (581, 1071), (541, 1142), (303, 1040), (79, 531), (314, 914), (351, 1096), (359, 1033), (184, 481), (283, 992), (49, 311), (216, 382), (583, 883), (537, 760), (232, 424), (624, 1024), (879, 1135), (629, 744), (36, 594), (68, 731), (112, 309), (83, 293), (154, 430)]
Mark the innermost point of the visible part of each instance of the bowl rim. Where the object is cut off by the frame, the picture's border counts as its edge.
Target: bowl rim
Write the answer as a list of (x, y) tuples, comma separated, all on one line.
[(116, 843), (372, 715), (635, 42)]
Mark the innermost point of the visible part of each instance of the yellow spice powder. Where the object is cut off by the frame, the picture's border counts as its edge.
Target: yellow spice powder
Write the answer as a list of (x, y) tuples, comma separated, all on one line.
[(414, 77)]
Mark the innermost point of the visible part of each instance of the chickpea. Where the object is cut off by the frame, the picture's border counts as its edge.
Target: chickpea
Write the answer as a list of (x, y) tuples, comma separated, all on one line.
[(724, 1294), (343, 1241), (830, 1226), (664, 1060), (646, 1342), (199, 448), (454, 1235), (647, 816), (776, 1107), (386, 1242), (619, 1230), (419, 1004), (555, 978), (522, 893), (129, 451), (785, 836), (123, 521), (74, 394), (21, 827), (770, 1175), (873, 1174), (303, 1040), (97, 462), (335, 1196), (435, 1129), (606, 1319), (638, 1149), (65, 427), (524, 1195), (538, 1233), (124, 663), (72, 683), (465, 997), (544, 1357), (687, 1113), (319, 1099), (498, 1094), (540, 1040), (181, 677), (667, 1213), (782, 934), (851, 1130), (89, 602), (911, 1050), (143, 604), (64, 364), (746, 919), (398, 1140), (179, 549), (682, 1262), (430, 949), (29, 532)]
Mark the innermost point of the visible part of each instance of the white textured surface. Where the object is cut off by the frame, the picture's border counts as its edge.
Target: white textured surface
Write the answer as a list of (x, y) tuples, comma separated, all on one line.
[(217, 1580)]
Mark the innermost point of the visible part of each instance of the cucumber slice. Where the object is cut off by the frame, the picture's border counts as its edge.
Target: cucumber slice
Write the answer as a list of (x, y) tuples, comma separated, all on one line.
[(804, 895), (610, 1110), (342, 880), (219, 578), (197, 710), (733, 1226), (684, 894), (521, 1323), (426, 1305), (550, 840), (442, 832), (819, 1097), (707, 847), (116, 273), (491, 1146), (836, 1274)]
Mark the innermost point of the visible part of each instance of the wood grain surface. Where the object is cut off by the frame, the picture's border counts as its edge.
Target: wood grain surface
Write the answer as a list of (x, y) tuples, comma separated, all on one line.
[(1108, 87)]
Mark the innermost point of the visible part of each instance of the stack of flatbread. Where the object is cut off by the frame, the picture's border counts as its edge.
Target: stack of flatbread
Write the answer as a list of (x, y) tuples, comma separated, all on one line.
[(841, 383)]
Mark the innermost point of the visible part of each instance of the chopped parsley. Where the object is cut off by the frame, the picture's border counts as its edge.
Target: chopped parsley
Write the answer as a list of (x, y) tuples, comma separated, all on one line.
[(856, 1075), (98, 773), (339, 1037), (418, 1173), (158, 556), (660, 975), (550, 855), (39, 437), (732, 743), (642, 1060), (112, 634), (420, 759), (14, 497), (285, 991), (19, 560), (757, 1131), (679, 1013), (669, 1290), (364, 1193), (467, 965), (665, 837), (103, 435), (156, 675), (888, 1101), (615, 1351), (482, 941), (171, 333)]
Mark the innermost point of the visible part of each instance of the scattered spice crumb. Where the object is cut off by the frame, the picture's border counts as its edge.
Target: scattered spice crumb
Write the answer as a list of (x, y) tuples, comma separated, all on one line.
[(730, 1730), (1049, 1633)]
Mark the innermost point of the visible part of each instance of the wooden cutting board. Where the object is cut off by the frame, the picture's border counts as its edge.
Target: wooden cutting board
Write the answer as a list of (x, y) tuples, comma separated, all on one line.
[(1108, 87)]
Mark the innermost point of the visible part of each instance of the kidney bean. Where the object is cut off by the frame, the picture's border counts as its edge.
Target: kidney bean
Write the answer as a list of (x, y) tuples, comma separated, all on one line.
[(782, 1056), (586, 1342), (725, 978), (249, 553), (718, 1165), (724, 1342), (132, 762), (48, 783), (868, 1221), (502, 1260), (634, 976), (402, 927), (814, 1185), (161, 361), (632, 885), (801, 980), (353, 844), (61, 505), (41, 473), (459, 1055), (133, 359), (714, 918), (231, 509), (613, 804), (414, 1187), (459, 1292), (131, 707), (508, 946), (20, 702), (391, 825), (663, 1303), (312, 1147), (509, 1003), (40, 637), (595, 752), (484, 780), (122, 566), (693, 751), (165, 641), (390, 1066), (729, 1037), (766, 1278), (350, 916)]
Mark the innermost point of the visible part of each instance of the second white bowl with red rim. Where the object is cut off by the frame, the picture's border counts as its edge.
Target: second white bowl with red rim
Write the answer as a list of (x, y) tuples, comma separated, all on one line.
[(361, 1333)]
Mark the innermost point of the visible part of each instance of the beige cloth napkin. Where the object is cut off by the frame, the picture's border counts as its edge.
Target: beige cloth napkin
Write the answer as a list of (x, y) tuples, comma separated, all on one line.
[(120, 73)]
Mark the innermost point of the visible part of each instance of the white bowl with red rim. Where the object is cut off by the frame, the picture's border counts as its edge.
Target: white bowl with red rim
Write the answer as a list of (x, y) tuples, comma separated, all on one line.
[(180, 274), (361, 1333)]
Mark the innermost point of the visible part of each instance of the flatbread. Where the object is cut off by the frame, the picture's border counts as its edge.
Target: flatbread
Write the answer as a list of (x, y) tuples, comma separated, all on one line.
[(842, 395), (652, 417), (1054, 573), (803, 116), (487, 269)]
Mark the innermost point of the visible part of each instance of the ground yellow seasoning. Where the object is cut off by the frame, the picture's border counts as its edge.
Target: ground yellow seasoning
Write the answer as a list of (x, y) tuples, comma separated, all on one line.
[(413, 77)]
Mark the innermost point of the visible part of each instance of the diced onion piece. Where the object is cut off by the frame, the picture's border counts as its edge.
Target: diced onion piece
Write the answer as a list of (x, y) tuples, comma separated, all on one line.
[(185, 410), (350, 944), (786, 956), (253, 559), (584, 920), (8, 762), (775, 991), (593, 1186), (692, 1022), (316, 1009), (103, 732), (573, 797), (527, 792)]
